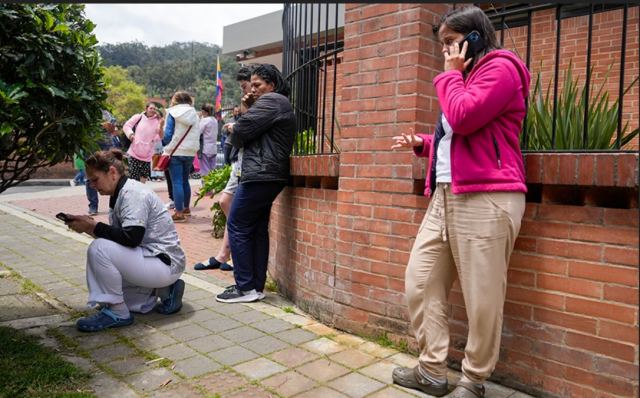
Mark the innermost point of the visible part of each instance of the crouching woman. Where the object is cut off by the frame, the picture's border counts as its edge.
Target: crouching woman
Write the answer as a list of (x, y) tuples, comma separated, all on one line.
[(137, 257)]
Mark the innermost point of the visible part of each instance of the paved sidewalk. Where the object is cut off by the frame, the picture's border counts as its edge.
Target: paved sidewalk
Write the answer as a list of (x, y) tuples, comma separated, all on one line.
[(208, 349)]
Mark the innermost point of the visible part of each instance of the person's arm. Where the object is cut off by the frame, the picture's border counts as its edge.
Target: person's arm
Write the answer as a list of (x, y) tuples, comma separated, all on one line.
[(256, 121), (469, 108), (130, 236), (169, 128), (423, 150), (128, 126)]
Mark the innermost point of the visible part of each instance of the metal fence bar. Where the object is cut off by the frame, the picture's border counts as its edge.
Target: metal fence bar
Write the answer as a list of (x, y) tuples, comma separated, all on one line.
[(335, 76), (555, 80), (324, 79), (623, 48), (585, 135)]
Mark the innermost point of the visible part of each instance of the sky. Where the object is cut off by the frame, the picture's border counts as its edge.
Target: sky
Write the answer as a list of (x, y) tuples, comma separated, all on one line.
[(161, 24)]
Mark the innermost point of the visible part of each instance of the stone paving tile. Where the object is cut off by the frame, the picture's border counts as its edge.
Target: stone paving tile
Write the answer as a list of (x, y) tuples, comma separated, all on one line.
[(322, 370), (136, 330), (105, 386), (151, 379), (391, 392), (188, 332), (250, 316), (176, 352), (318, 328), (380, 371), (295, 336), (196, 366), (220, 324), (259, 368), (356, 385), (191, 306), (128, 365), (251, 391), (289, 383), (154, 341), (402, 359), (323, 346), (204, 315), (265, 345), (272, 326), (111, 352), (193, 293), (232, 355), (222, 382), (228, 309), (493, 390), (209, 343), (321, 392), (182, 390), (376, 350), (242, 334), (171, 322), (91, 341), (293, 356), (349, 340), (353, 359)]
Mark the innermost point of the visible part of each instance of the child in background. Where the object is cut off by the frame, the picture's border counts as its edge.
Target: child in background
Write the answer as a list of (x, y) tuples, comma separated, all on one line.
[(78, 164)]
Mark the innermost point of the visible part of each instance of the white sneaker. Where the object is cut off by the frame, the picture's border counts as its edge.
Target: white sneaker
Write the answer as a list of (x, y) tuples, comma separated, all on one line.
[(73, 183), (235, 295), (170, 205), (261, 296)]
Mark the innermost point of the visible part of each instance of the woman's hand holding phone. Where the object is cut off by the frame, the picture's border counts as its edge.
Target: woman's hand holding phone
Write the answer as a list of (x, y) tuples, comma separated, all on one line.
[(454, 58)]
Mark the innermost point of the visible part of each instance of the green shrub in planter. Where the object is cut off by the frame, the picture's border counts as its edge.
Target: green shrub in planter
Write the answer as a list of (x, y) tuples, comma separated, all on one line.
[(571, 105)]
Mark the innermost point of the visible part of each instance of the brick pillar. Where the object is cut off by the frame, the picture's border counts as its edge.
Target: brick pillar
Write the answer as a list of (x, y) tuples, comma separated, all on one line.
[(391, 57)]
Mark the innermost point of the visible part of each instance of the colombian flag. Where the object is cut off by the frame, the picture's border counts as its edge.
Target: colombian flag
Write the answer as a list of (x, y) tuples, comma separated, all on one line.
[(219, 87)]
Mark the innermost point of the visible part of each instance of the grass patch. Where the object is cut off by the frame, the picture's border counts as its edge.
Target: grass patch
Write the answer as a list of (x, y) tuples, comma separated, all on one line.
[(28, 369), (271, 285), (288, 310)]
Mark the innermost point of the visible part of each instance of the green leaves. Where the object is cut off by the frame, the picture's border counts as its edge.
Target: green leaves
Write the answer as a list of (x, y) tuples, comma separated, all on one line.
[(571, 107), (214, 182), (51, 88)]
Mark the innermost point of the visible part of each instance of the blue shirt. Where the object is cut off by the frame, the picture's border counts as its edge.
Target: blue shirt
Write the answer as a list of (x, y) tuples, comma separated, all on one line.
[(169, 129)]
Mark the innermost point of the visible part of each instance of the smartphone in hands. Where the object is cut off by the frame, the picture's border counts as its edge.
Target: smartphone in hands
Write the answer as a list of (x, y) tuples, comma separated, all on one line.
[(475, 44)]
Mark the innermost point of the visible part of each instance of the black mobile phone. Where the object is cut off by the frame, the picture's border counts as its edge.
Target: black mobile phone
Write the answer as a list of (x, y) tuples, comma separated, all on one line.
[(476, 44), (62, 217)]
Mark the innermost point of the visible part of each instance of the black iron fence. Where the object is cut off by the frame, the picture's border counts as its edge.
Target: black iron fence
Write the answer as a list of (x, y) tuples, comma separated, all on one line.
[(581, 115), (312, 43)]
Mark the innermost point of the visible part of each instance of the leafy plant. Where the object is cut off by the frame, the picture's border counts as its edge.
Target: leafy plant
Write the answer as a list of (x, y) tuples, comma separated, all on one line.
[(213, 183), (51, 87), (305, 143), (125, 97), (571, 105)]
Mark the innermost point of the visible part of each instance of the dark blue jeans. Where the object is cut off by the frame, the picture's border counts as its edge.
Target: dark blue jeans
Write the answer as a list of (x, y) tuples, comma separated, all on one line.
[(248, 228), (92, 196), (179, 169)]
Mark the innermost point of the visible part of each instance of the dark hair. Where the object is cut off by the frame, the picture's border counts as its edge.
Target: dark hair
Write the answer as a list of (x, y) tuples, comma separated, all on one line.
[(150, 103), (102, 160), (207, 108), (182, 97), (245, 72), (467, 19), (270, 74)]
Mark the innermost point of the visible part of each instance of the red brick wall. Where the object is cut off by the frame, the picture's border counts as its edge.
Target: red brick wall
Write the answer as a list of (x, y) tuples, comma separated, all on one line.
[(571, 316)]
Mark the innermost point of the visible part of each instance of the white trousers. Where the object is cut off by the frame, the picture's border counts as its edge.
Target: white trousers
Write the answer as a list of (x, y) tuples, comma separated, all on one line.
[(117, 274)]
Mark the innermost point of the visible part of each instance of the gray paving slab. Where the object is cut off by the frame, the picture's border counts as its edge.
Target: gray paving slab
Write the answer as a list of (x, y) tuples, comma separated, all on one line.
[(154, 341), (293, 356), (222, 383), (197, 365), (212, 342), (128, 365), (242, 334), (259, 368), (188, 332), (356, 385), (289, 383), (151, 379), (232, 355), (176, 352), (295, 336), (265, 345), (251, 316), (220, 324), (111, 352), (273, 325)]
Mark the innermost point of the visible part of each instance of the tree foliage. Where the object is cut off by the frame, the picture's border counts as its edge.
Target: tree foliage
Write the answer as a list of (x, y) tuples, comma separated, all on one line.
[(125, 97), (189, 66), (51, 87)]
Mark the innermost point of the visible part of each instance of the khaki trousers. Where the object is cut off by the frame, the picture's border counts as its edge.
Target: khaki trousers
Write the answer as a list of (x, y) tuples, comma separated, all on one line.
[(470, 236)]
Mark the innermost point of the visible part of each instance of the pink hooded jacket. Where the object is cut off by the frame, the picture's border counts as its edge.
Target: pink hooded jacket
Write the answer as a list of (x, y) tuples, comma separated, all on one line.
[(485, 112)]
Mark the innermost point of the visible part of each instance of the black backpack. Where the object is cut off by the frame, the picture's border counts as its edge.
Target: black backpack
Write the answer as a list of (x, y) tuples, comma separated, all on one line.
[(124, 140)]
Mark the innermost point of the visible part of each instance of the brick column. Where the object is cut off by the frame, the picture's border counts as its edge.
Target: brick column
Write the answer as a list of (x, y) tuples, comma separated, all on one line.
[(390, 59)]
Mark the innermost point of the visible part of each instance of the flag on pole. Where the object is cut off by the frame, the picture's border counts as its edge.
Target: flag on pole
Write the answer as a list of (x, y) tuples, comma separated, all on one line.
[(219, 87)]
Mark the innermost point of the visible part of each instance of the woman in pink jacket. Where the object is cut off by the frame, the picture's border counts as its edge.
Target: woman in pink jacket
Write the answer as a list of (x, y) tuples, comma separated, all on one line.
[(476, 182), (148, 130)]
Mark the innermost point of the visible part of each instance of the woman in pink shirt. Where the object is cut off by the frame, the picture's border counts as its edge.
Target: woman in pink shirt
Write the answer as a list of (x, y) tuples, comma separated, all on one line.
[(148, 130), (476, 182)]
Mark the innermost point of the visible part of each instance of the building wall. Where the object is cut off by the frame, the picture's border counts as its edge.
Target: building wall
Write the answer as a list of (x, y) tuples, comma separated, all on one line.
[(340, 250)]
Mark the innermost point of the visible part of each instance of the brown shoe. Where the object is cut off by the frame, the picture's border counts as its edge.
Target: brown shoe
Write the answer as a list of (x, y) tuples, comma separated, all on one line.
[(411, 378), (467, 389), (178, 217), (186, 212)]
